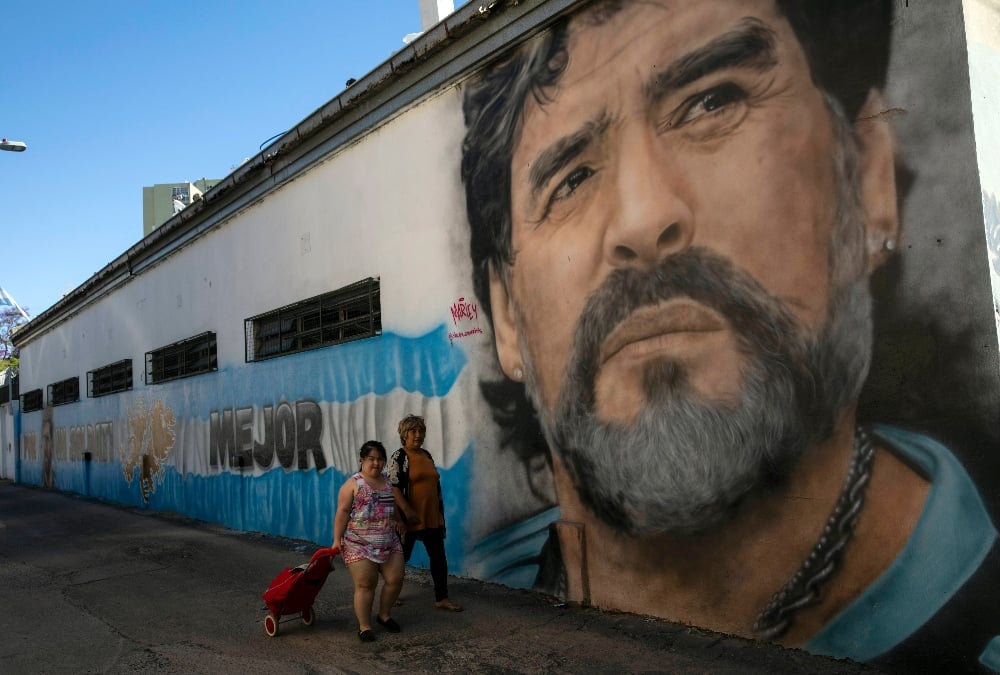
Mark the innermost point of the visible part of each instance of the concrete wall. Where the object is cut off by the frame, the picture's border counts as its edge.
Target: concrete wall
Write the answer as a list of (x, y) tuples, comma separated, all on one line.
[(729, 175)]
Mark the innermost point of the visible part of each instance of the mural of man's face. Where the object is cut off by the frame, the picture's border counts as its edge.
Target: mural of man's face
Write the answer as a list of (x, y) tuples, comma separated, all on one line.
[(688, 299)]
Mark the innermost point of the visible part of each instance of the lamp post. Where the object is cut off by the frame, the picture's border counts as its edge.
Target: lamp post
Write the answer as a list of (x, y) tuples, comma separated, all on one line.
[(13, 146)]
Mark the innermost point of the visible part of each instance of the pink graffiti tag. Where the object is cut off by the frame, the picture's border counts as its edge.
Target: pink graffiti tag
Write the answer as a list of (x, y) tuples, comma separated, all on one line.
[(462, 310)]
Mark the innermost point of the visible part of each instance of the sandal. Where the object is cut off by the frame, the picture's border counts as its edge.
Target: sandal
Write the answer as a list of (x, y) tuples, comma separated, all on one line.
[(448, 605), (366, 636)]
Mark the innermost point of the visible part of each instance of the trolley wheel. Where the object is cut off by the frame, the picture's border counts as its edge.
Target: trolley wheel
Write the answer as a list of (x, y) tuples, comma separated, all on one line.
[(270, 625), (308, 616)]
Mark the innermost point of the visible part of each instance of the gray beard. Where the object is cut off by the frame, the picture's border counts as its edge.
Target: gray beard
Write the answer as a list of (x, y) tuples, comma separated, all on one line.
[(684, 465)]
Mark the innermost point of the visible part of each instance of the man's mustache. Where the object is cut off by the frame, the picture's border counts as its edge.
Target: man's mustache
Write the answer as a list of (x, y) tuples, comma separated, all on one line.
[(761, 322)]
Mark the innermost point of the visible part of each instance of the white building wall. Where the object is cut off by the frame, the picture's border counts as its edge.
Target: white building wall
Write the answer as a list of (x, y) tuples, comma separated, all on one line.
[(8, 441), (342, 222), (371, 210)]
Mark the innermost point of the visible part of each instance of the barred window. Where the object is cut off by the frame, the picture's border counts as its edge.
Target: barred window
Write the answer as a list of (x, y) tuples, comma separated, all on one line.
[(350, 313), (64, 391), (31, 400), (110, 379), (188, 357), (9, 389)]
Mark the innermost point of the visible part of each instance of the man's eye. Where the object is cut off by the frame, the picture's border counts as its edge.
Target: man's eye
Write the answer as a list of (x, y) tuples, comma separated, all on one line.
[(708, 102), (569, 184), (556, 205)]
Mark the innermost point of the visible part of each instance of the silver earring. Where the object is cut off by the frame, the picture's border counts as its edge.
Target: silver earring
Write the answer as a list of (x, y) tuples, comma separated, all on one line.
[(518, 374), (889, 244)]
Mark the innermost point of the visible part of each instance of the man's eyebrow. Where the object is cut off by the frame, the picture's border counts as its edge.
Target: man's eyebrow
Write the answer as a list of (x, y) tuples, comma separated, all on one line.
[(556, 156), (751, 45)]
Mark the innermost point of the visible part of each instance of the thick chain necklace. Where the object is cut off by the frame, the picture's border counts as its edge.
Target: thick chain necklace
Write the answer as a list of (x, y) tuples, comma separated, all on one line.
[(803, 589)]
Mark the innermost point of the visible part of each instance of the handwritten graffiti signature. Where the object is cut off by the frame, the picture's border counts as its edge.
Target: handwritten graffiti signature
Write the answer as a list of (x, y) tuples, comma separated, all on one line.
[(466, 333), (464, 311)]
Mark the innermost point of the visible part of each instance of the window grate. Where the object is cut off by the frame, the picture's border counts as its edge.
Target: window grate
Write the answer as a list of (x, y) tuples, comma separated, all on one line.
[(9, 390), (31, 400), (193, 356), (110, 379), (350, 313), (64, 391)]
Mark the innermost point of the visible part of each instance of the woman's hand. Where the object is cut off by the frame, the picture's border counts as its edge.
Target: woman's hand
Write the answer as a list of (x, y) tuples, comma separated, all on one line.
[(412, 519)]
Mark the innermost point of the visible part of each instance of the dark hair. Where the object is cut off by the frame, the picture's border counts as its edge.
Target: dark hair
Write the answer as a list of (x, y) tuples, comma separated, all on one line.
[(845, 41), (372, 446)]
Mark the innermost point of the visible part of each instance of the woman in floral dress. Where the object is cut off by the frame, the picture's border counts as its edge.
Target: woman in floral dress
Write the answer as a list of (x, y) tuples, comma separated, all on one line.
[(367, 529)]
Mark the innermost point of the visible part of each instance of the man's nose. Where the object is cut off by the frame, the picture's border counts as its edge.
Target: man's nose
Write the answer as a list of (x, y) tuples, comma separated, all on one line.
[(653, 218)]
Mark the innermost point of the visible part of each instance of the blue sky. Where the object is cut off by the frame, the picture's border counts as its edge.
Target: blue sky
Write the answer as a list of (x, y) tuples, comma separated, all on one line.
[(114, 95)]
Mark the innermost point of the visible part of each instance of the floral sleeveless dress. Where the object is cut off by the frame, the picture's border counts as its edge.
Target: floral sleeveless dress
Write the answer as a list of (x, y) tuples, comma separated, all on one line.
[(371, 529)]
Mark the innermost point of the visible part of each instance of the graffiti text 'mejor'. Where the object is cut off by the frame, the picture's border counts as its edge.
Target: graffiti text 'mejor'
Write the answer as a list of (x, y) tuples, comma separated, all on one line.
[(289, 433)]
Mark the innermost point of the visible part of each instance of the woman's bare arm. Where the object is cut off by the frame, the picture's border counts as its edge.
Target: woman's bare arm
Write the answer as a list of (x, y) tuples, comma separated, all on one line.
[(345, 501)]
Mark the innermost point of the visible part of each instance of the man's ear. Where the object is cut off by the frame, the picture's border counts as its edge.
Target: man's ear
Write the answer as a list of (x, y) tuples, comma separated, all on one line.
[(877, 167), (505, 328)]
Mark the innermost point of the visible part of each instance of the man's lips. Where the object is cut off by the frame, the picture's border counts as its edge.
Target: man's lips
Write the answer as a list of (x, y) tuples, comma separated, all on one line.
[(663, 319)]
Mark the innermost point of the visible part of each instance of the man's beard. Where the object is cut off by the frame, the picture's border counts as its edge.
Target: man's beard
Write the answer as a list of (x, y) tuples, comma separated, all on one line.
[(684, 464)]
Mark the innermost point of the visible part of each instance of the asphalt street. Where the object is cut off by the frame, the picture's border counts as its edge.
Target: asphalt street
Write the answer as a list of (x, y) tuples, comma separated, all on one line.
[(88, 587)]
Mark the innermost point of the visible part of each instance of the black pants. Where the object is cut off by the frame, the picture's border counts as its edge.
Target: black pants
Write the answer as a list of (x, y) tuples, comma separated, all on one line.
[(433, 539)]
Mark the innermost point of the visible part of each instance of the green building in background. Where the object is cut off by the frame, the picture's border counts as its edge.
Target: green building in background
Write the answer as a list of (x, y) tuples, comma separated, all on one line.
[(163, 201)]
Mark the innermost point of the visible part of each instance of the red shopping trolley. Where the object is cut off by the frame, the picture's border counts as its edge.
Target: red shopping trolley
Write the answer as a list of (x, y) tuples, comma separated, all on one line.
[(295, 589)]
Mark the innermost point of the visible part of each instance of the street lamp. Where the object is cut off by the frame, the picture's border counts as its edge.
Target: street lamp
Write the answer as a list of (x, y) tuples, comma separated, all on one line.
[(13, 146)]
